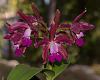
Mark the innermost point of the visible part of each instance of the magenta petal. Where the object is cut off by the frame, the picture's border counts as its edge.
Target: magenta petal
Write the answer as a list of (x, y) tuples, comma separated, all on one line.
[(75, 27), (63, 25), (63, 38), (86, 26), (28, 19), (16, 37), (81, 27), (45, 53), (51, 58), (26, 42), (36, 11), (19, 25), (53, 28), (63, 52), (18, 52), (55, 24), (80, 42), (8, 36), (59, 57), (57, 16)]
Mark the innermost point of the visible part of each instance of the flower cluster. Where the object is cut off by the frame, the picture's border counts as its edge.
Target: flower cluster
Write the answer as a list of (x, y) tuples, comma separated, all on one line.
[(53, 38)]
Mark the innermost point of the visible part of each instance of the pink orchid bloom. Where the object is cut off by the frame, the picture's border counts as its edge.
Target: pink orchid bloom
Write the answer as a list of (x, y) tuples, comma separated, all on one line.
[(78, 28), (53, 49), (19, 34)]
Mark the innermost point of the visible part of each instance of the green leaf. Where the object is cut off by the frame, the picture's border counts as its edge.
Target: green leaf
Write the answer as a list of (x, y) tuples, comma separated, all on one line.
[(49, 74), (58, 69), (23, 72)]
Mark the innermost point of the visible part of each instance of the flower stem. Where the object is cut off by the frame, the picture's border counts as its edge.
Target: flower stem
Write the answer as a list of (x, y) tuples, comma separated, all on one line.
[(49, 79)]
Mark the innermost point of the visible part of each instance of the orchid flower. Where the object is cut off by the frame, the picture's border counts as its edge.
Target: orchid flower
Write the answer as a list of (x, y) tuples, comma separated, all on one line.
[(19, 34), (35, 22), (78, 28), (53, 49)]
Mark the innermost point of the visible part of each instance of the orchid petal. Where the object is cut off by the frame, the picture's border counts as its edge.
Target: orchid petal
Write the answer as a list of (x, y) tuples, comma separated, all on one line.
[(53, 30), (86, 26), (79, 16), (7, 36), (55, 24), (16, 46), (53, 47), (63, 38), (19, 51), (45, 53), (19, 25), (16, 37), (81, 27), (63, 52), (51, 58), (59, 57), (75, 27), (27, 33), (26, 42), (36, 11), (57, 17), (80, 35), (28, 19), (80, 42)]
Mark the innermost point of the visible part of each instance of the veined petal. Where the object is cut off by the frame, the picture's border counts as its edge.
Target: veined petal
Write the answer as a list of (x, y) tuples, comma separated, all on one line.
[(28, 19), (36, 11), (63, 38), (53, 29), (57, 16), (75, 27), (81, 27), (7, 36), (63, 52), (16, 37), (85, 26), (19, 25), (55, 24), (45, 53)]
